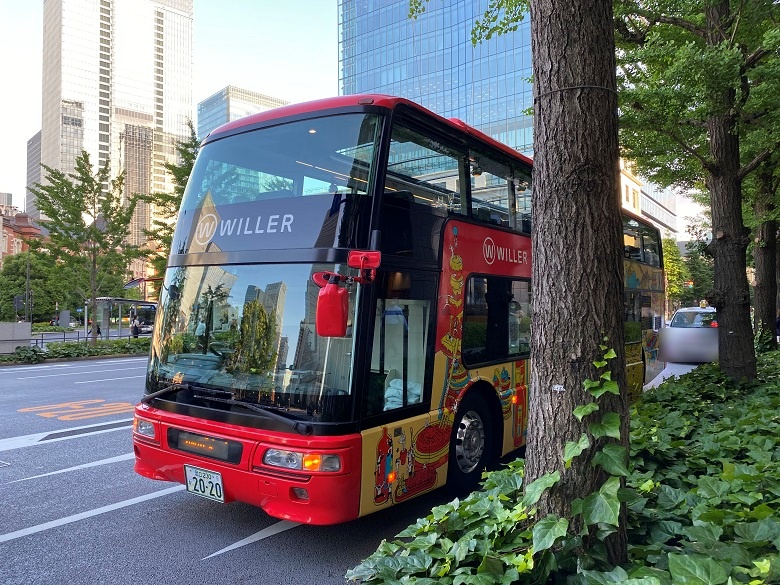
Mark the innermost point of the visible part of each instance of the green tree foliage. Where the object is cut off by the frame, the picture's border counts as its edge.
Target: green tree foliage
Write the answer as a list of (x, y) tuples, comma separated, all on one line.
[(89, 221), (700, 267), (255, 352), (46, 285), (700, 96), (166, 205), (676, 273)]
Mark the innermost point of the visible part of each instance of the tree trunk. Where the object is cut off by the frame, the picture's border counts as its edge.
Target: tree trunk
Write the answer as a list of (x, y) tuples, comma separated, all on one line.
[(731, 295), (765, 255), (577, 245)]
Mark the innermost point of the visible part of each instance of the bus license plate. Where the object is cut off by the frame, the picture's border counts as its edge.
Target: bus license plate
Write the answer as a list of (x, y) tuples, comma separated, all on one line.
[(202, 482)]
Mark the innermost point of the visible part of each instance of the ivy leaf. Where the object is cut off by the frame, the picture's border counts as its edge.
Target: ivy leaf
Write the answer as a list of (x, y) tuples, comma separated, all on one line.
[(610, 386), (612, 459), (603, 506), (547, 531), (760, 532), (585, 410), (600, 364), (710, 488), (572, 449), (610, 354), (491, 565), (696, 570), (608, 427), (669, 497), (535, 489)]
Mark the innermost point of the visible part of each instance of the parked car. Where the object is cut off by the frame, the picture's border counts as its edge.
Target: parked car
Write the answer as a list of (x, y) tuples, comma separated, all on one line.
[(691, 337)]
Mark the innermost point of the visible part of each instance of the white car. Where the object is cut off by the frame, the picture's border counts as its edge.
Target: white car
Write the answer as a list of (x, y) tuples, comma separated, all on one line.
[(691, 337)]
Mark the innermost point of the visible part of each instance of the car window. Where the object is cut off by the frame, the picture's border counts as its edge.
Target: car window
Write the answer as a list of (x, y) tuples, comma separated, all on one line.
[(694, 319)]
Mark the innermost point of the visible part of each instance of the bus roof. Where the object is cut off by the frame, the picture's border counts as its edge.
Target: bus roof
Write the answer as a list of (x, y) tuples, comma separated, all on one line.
[(375, 100)]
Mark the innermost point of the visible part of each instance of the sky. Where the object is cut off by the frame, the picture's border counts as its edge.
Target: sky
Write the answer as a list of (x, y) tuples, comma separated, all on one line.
[(287, 50)]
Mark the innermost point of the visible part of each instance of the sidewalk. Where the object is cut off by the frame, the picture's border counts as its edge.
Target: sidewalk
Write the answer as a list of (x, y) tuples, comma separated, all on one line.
[(671, 370)]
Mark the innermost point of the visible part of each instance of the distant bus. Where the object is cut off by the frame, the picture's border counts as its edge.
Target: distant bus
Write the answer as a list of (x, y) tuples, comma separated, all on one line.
[(345, 322)]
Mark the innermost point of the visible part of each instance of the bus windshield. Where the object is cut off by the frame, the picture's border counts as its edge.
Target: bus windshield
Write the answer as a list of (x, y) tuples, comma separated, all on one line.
[(245, 334), (294, 185)]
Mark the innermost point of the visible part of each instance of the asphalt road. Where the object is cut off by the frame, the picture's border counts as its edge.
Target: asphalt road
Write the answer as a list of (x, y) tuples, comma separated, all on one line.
[(73, 511)]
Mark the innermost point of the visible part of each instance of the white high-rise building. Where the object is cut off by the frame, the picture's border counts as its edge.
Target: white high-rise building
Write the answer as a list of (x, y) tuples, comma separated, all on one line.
[(117, 82)]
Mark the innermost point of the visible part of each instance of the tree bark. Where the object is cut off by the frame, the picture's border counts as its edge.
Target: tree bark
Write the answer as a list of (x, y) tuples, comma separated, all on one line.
[(577, 245), (765, 255), (731, 295)]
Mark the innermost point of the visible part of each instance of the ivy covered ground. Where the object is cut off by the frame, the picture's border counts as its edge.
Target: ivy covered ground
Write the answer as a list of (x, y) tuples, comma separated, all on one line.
[(702, 492)]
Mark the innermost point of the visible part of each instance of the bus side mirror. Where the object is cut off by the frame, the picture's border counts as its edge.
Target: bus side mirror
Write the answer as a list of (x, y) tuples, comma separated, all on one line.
[(367, 261), (332, 309)]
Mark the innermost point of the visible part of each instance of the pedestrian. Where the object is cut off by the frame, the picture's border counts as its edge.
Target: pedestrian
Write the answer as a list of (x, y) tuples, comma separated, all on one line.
[(200, 333), (134, 327)]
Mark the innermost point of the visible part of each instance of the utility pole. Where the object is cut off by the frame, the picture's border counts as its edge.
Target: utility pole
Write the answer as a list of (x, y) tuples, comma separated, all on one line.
[(27, 308)]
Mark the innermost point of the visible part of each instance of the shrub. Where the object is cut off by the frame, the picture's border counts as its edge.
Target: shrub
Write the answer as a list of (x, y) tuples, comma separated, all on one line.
[(31, 355), (703, 503)]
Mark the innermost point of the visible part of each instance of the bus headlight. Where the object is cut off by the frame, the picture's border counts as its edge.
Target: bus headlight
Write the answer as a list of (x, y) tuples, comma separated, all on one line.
[(145, 428), (301, 461)]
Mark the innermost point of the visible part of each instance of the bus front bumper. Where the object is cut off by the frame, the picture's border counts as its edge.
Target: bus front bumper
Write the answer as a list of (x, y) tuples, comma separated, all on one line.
[(311, 498)]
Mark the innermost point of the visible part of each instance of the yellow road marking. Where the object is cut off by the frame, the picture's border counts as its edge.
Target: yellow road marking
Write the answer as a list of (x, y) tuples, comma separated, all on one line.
[(80, 410)]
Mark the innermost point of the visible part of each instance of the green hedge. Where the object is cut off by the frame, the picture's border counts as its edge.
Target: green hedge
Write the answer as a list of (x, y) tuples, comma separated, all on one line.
[(702, 494), (33, 355)]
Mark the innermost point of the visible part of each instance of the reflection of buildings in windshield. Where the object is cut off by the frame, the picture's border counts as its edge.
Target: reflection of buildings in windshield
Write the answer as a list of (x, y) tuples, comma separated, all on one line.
[(207, 278)]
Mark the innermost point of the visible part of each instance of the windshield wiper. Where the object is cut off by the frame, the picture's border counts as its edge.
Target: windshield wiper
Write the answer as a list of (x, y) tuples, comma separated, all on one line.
[(167, 390), (298, 426)]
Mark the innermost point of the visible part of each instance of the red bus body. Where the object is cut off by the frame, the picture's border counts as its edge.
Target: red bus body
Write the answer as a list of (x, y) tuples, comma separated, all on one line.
[(324, 411)]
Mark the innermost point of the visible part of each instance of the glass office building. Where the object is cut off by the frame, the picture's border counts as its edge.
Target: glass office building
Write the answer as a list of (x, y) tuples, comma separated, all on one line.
[(117, 82), (432, 61), (232, 103)]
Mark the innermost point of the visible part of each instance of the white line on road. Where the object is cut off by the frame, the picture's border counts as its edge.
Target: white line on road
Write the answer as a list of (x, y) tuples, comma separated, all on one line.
[(30, 440), (77, 467), (70, 365), (107, 380), (264, 533), (87, 514), (58, 374)]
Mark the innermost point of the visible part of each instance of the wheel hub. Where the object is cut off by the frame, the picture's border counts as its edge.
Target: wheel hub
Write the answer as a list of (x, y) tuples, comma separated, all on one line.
[(469, 441)]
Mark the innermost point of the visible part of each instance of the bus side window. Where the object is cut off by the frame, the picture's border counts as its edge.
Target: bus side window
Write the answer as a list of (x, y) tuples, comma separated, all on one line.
[(492, 194), (496, 319)]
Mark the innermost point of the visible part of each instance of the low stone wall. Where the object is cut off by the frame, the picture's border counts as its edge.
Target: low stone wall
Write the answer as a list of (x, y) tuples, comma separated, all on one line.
[(12, 335)]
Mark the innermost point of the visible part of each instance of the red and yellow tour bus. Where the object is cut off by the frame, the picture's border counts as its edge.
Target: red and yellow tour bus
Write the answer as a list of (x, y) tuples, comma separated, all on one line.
[(345, 319)]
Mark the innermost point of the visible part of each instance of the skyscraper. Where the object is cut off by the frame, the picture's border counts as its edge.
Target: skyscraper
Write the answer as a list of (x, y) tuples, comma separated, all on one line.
[(232, 103), (432, 61), (33, 174), (117, 82)]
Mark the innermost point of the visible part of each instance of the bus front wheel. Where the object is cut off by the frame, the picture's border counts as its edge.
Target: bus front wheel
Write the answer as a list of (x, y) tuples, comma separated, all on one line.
[(471, 445)]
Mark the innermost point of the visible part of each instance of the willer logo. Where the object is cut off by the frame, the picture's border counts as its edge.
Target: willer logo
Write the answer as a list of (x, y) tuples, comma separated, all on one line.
[(206, 228), (489, 250)]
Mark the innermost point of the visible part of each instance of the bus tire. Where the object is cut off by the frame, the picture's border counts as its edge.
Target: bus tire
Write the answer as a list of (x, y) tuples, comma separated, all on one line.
[(471, 445)]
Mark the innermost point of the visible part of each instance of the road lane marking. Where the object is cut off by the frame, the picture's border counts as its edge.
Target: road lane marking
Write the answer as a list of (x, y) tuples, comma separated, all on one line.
[(88, 514), (58, 374), (264, 533), (98, 363), (77, 467), (109, 379), (38, 438)]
